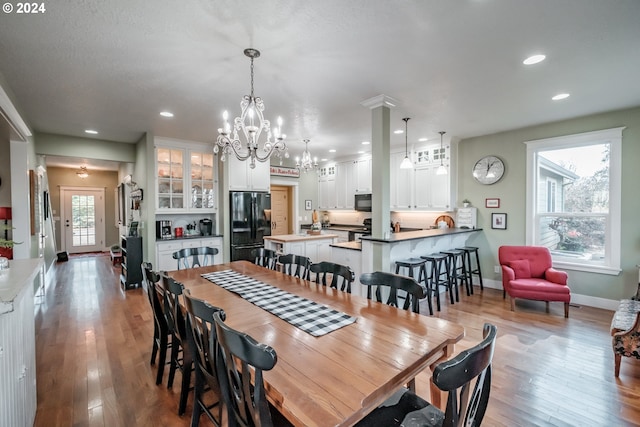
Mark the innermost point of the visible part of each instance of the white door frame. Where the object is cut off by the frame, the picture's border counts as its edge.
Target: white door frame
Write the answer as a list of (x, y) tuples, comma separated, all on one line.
[(100, 228)]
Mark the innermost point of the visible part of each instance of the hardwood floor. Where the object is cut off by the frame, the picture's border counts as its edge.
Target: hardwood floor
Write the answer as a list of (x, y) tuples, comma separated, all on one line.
[(93, 345)]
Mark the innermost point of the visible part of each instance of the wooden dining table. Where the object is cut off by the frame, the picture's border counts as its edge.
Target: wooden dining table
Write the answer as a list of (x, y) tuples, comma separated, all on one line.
[(338, 378)]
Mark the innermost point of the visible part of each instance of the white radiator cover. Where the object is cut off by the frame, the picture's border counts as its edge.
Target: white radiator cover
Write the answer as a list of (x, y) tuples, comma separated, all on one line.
[(17, 360)]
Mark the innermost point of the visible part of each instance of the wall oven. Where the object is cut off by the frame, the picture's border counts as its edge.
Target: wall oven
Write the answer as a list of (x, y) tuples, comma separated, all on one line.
[(363, 202)]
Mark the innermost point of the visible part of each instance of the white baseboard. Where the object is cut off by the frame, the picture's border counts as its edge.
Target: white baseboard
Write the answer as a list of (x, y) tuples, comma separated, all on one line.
[(576, 299)]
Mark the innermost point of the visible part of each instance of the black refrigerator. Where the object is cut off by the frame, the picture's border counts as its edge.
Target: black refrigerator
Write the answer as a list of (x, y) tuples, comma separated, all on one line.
[(250, 222)]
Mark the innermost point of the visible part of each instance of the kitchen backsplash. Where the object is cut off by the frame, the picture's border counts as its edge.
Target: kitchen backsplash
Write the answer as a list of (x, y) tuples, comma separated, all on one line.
[(406, 219)]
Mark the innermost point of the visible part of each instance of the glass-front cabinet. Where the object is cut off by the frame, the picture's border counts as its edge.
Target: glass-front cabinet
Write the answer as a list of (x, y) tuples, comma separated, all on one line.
[(170, 173), (186, 178)]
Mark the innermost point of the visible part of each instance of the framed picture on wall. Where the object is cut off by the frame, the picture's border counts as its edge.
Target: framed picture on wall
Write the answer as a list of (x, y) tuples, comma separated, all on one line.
[(499, 221), (307, 205), (491, 203)]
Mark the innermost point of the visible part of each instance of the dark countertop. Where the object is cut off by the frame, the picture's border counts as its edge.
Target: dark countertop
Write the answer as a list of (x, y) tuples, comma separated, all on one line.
[(354, 245), (423, 234), (337, 227), (195, 236)]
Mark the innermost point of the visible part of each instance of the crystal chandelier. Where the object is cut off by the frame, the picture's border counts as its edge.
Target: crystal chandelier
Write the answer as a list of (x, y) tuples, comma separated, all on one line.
[(442, 169), (406, 162), (251, 124), (306, 163)]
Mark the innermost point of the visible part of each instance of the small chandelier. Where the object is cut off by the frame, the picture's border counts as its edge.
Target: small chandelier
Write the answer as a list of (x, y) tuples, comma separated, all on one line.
[(82, 173), (406, 162), (442, 169), (251, 124), (306, 164)]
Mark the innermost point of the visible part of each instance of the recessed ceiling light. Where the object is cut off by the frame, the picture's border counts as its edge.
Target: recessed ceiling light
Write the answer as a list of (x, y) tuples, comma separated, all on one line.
[(360, 152), (91, 131), (166, 113), (323, 160), (365, 143), (398, 131), (333, 150), (423, 139), (534, 59), (560, 96)]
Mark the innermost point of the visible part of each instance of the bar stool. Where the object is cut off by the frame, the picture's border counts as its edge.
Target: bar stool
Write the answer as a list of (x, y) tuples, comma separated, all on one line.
[(470, 270), (458, 268), (421, 264), (439, 268)]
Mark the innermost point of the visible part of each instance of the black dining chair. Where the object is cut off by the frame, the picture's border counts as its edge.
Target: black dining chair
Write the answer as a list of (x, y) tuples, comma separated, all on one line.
[(161, 331), (201, 334), (181, 357), (265, 258), (394, 282), (241, 362), (195, 257), (295, 265), (338, 273), (466, 378)]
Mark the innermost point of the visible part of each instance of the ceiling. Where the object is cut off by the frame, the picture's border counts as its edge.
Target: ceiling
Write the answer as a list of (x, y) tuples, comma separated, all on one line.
[(453, 65)]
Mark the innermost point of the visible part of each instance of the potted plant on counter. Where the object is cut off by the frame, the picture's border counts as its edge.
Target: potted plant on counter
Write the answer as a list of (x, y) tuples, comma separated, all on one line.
[(466, 203)]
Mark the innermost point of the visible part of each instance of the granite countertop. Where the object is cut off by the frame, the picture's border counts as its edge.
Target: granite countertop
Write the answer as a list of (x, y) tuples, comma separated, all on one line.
[(337, 227), (286, 238), (354, 245), (423, 234), (195, 236)]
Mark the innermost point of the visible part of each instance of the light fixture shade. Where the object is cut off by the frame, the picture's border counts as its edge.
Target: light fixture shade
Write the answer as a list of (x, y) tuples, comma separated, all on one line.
[(442, 169), (406, 163), (82, 173)]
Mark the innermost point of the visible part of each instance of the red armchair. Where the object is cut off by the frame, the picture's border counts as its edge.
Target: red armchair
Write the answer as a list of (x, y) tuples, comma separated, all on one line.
[(527, 273)]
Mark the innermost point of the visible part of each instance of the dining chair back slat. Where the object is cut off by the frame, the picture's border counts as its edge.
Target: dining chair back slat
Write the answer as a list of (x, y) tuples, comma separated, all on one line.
[(201, 335), (195, 257), (338, 273), (296, 265), (241, 363), (394, 282)]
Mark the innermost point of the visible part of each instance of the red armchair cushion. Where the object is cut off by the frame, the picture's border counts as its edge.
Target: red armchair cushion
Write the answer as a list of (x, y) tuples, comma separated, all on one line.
[(521, 268)]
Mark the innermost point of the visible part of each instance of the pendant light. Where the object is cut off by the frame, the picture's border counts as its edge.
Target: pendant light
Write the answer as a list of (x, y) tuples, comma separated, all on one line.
[(442, 169), (406, 162)]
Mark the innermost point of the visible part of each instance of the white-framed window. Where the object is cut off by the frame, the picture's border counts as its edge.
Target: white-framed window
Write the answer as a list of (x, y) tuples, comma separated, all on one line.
[(573, 199)]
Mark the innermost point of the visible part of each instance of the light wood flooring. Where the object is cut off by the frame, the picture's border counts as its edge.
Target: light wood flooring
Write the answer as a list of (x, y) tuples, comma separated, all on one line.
[(93, 344)]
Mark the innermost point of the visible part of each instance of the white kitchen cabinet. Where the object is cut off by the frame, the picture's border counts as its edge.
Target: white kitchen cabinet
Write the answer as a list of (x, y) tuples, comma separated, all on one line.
[(327, 187), (363, 176), (186, 177), (318, 248), (345, 185), (165, 250), (401, 183), (420, 188), (243, 178), (352, 259)]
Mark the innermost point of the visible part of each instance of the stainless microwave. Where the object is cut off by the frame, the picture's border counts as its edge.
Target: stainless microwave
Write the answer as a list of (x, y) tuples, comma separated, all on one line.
[(363, 202)]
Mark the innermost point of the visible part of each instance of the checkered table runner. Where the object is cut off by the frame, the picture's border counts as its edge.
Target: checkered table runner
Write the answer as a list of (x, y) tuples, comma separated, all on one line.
[(313, 318)]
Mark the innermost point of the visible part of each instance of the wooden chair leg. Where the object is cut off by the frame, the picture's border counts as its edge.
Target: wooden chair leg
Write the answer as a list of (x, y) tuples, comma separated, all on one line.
[(546, 306), (617, 359), (566, 309), (513, 303)]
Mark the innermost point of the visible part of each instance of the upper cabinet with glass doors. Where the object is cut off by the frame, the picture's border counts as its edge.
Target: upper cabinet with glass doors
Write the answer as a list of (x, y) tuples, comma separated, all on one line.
[(186, 178)]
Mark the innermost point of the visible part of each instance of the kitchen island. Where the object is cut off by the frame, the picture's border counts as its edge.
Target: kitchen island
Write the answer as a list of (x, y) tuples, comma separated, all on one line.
[(411, 244), (315, 246)]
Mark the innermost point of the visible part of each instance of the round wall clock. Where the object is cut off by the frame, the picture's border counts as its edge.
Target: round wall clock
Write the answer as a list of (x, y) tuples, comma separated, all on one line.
[(488, 170)]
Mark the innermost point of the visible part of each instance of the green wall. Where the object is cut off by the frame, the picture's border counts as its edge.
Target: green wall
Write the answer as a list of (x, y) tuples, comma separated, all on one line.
[(511, 191)]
